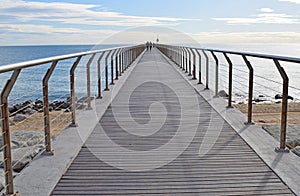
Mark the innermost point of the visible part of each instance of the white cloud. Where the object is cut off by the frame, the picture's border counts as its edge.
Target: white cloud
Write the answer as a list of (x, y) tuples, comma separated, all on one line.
[(263, 18), (71, 13), (266, 10), (292, 1)]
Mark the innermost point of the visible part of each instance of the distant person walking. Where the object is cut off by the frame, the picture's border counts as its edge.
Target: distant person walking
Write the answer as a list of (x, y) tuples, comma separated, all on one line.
[(147, 46), (150, 46)]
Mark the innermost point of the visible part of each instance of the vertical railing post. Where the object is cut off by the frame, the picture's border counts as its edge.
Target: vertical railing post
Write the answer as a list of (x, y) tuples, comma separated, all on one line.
[(186, 60), (106, 71), (116, 63), (207, 69), (7, 158), (46, 107), (194, 64), (190, 61), (72, 88), (182, 58), (99, 75), (250, 91), (125, 60), (121, 61), (216, 73), (199, 72), (112, 67), (229, 80), (284, 107), (178, 56), (88, 78)]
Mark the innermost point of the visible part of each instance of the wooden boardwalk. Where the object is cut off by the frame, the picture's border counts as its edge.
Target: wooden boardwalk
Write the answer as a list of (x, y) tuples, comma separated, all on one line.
[(156, 139)]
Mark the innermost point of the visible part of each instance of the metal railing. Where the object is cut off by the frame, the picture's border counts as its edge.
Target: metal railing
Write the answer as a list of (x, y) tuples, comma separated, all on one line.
[(185, 56), (120, 60)]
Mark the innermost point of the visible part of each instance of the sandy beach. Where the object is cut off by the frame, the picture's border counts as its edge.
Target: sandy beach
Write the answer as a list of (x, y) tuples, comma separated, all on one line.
[(35, 122), (270, 113)]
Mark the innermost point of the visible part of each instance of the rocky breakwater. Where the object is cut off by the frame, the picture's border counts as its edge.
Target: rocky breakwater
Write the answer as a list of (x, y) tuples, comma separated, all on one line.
[(25, 146), (30, 107)]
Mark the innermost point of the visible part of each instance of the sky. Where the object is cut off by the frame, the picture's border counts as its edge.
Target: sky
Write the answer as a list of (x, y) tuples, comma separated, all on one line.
[(42, 22)]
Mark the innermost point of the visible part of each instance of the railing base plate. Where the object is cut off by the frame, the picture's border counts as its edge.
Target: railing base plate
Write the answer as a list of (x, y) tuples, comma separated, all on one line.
[(14, 194), (249, 123), (73, 125), (279, 150), (48, 153)]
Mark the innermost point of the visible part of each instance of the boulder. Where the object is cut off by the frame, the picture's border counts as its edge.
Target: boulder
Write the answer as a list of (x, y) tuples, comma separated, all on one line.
[(19, 117), (38, 102), (278, 96), (29, 111), (22, 156), (222, 93), (25, 146), (25, 138)]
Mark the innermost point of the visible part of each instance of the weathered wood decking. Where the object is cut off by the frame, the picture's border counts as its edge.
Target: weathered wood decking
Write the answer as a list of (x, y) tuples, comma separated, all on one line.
[(230, 167)]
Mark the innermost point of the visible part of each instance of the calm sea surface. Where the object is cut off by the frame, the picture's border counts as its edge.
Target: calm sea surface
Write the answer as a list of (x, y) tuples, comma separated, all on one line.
[(264, 70)]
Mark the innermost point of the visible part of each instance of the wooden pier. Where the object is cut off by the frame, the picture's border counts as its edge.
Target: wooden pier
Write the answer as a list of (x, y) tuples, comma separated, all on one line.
[(229, 167)]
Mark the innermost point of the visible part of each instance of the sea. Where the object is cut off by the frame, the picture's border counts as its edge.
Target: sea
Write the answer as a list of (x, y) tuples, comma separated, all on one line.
[(268, 82)]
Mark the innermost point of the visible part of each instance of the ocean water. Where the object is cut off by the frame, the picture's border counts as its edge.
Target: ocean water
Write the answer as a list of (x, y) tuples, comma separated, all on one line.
[(59, 83), (268, 82)]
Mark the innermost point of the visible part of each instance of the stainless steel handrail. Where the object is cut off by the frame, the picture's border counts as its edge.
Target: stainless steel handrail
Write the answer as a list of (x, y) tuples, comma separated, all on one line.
[(26, 64)]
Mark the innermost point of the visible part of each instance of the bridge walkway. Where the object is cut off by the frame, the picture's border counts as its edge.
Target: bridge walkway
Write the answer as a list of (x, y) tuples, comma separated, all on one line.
[(159, 136)]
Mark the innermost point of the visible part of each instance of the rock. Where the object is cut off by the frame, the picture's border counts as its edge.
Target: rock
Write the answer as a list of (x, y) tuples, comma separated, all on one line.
[(222, 93), (259, 99), (278, 96), (19, 117), (25, 138), (67, 110), (25, 146), (65, 105), (28, 103), (38, 102), (296, 150), (11, 109), (22, 156), (29, 111)]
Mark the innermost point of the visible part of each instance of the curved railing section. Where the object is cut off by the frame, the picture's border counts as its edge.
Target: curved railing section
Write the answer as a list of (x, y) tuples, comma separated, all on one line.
[(185, 58), (116, 61)]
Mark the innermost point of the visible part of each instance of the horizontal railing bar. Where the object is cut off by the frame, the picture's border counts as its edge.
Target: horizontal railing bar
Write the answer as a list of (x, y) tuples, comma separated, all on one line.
[(249, 54), (26, 64), (265, 56)]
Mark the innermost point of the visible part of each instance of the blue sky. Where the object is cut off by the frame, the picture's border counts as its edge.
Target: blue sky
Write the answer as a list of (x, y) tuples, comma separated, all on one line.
[(31, 22)]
